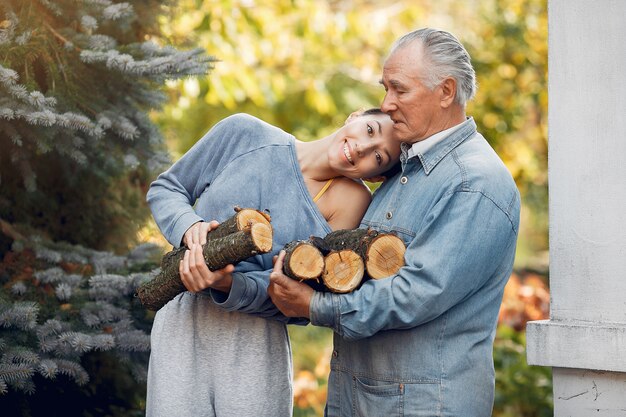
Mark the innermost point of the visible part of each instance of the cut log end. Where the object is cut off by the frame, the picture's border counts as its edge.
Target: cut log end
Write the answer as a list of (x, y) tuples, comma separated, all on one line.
[(248, 217), (306, 262), (344, 271), (385, 256), (262, 235)]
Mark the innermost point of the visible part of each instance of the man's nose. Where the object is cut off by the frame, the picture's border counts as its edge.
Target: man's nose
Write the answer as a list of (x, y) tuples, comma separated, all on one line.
[(388, 103)]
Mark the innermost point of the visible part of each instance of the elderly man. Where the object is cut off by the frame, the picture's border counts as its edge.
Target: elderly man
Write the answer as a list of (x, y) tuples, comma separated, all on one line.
[(420, 343)]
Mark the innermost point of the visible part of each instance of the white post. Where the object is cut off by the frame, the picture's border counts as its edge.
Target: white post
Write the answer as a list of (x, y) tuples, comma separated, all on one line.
[(585, 339)]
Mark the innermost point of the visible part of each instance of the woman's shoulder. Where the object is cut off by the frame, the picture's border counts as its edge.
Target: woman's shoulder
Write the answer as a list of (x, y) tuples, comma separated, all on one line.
[(242, 133), (245, 121), (252, 130), (242, 119), (349, 199)]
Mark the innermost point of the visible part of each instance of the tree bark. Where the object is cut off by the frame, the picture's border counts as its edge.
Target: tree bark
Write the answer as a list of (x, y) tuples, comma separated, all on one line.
[(383, 253), (256, 238)]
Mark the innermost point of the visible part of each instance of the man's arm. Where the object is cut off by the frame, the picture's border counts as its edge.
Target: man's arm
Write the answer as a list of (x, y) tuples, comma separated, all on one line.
[(249, 293), (447, 261)]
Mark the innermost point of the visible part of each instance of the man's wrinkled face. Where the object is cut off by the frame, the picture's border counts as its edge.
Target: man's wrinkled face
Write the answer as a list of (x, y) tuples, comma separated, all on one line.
[(411, 105)]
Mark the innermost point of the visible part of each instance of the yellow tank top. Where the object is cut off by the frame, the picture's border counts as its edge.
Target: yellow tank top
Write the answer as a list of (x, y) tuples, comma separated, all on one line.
[(323, 190)]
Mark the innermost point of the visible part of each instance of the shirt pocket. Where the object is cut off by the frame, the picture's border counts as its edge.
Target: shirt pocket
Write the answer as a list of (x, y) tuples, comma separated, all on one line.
[(405, 234), (378, 398)]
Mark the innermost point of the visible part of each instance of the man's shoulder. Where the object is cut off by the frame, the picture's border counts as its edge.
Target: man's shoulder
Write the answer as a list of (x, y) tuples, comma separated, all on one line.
[(482, 170)]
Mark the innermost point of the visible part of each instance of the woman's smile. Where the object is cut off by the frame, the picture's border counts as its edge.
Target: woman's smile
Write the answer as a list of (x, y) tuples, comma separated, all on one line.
[(347, 152)]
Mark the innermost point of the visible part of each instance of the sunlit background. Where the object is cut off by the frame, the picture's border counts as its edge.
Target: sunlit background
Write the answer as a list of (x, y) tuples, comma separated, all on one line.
[(303, 65), (306, 65)]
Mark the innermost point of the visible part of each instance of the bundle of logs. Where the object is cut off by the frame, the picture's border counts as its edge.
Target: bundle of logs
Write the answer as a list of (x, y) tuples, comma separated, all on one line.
[(338, 262), (247, 233), (343, 259)]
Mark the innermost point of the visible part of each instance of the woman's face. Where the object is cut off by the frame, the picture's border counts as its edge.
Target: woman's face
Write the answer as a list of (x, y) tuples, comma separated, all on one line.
[(364, 147)]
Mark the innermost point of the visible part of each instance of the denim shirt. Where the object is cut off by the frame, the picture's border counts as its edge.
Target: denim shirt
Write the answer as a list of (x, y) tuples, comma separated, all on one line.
[(420, 343)]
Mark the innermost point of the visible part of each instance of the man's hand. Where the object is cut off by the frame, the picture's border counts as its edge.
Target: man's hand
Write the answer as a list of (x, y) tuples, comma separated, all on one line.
[(292, 298), (194, 273)]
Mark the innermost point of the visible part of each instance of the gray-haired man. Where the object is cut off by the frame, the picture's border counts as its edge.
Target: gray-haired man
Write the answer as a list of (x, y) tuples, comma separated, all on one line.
[(420, 343)]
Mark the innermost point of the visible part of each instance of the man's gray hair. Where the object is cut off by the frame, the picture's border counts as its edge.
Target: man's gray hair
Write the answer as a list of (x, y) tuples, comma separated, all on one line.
[(444, 57)]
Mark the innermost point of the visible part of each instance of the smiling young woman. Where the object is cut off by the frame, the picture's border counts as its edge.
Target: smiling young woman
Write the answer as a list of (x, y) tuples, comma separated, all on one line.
[(202, 347)]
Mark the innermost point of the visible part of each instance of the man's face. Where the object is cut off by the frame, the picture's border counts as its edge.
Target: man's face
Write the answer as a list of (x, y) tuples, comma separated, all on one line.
[(414, 109)]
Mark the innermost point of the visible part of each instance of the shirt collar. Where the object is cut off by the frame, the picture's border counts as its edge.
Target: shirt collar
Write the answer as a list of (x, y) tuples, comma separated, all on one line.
[(419, 148), (434, 148)]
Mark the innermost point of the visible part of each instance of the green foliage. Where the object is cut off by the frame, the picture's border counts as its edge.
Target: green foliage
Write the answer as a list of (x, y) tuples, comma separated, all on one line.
[(69, 324), (77, 80), (111, 392), (509, 49), (312, 349), (521, 390)]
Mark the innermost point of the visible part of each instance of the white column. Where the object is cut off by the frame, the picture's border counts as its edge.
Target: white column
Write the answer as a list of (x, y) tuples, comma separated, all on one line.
[(585, 339)]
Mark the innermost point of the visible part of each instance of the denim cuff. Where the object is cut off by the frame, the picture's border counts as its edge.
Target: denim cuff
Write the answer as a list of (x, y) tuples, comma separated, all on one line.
[(232, 300), (324, 309)]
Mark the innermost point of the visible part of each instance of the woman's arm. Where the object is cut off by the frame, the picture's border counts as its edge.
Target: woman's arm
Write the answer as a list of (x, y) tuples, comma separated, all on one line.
[(172, 195)]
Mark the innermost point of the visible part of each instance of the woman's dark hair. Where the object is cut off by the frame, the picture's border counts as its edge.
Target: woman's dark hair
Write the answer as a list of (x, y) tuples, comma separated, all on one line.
[(373, 110)]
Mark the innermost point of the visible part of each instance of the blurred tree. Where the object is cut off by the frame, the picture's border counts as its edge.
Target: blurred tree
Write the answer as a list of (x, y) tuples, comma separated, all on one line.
[(305, 65), (70, 326), (509, 49), (77, 80)]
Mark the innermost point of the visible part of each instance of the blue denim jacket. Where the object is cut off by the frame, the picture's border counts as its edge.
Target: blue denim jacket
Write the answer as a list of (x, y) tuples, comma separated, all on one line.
[(420, 343)]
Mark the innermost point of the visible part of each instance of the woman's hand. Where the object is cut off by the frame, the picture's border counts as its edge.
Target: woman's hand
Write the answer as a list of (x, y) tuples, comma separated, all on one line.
[(197, 232), (196, 275)]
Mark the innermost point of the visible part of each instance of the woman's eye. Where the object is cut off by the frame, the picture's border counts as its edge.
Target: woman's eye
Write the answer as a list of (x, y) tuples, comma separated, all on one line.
[(370, 130), (379, 159)]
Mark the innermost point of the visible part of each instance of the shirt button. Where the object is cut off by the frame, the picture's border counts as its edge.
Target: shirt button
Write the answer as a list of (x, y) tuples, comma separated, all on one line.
[(403, 180), (389, 215), (335, 354)]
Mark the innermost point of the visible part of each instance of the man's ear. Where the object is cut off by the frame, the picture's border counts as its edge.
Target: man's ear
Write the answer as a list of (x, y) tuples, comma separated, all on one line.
[(448, 92)]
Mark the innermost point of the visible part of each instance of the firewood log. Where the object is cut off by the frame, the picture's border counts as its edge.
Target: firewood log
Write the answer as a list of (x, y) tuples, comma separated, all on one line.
[(343, 270), (383, 253), (253, 236), (303, 260), (242, 219)]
